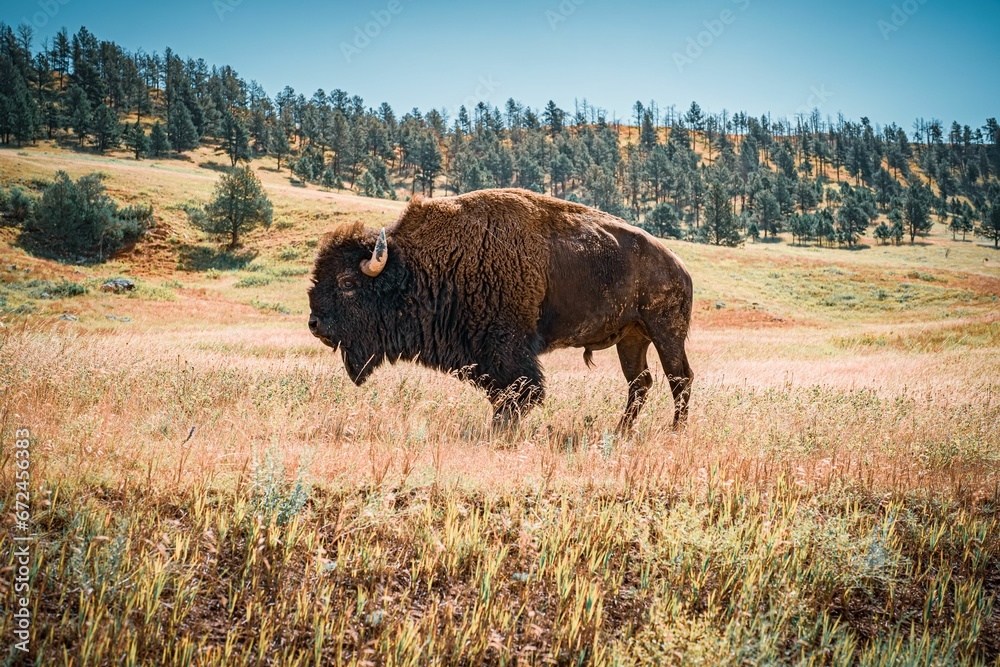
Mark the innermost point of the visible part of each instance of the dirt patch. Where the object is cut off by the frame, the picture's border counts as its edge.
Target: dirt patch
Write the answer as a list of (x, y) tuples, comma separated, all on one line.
[(153, 254), (708, 315)]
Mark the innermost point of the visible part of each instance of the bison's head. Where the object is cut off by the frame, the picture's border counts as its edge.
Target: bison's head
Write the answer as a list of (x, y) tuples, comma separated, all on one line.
[(353, 300)]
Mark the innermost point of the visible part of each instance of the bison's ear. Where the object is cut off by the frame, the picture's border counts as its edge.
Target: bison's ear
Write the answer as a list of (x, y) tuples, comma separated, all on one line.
[(380, 255)]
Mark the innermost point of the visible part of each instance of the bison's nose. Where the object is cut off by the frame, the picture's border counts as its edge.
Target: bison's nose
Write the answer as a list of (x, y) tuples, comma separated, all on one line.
[(313, 323)]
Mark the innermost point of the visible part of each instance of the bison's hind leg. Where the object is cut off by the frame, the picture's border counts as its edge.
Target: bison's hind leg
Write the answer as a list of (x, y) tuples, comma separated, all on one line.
[(678, 371), (632, 355)]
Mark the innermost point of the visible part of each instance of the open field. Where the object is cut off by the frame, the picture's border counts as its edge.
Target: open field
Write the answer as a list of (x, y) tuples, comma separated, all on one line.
[(208, 487)]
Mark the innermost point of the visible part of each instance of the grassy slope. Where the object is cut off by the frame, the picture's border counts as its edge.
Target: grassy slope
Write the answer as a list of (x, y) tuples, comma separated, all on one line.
[(834, 497)]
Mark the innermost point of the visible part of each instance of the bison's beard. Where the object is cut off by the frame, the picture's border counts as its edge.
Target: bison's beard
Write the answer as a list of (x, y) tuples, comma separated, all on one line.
[(359, 364)]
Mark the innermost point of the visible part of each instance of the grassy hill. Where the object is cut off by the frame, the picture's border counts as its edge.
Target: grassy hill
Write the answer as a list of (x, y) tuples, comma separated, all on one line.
[(209, 487)]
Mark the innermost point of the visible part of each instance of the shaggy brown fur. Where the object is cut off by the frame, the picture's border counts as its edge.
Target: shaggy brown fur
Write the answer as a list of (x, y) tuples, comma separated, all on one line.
[(485, 282)]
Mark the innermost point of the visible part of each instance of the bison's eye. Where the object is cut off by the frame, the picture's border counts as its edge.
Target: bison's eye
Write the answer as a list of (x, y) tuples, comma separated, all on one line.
[(347, 284)]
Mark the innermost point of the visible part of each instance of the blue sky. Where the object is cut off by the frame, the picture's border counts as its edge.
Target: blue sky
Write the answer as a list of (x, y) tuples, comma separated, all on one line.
[(892, 60)]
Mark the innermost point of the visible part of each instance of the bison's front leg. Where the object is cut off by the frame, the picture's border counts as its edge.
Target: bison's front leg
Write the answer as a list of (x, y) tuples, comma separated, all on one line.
[(514, 400), (514, 383), (510, 374)]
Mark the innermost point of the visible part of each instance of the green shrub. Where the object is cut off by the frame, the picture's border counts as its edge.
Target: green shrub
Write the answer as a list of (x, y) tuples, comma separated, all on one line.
[(16, 204), (79, 218), (255, 280), (267, 305), (273, 498), (51, 289), (288, 271), (196, 216)]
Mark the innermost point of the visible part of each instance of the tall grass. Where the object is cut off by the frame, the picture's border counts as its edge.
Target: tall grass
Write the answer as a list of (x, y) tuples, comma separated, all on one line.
[(305, 521)]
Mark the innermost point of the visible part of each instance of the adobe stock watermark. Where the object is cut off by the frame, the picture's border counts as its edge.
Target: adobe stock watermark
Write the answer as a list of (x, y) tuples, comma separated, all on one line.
[(21, 540), (818, 96), (483, 92), (697, 44), (223, 7), (562, 12), (901, 13), (363, 35), (47, 10)]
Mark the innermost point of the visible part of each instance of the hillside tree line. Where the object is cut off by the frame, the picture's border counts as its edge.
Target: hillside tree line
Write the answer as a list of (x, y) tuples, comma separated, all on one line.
[(713, 177)]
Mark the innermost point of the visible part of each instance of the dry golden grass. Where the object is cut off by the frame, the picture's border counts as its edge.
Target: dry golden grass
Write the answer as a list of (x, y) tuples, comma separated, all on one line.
[(834, 499)]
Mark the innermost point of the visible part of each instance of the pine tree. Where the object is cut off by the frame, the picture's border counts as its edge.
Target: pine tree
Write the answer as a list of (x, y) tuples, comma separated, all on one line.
[(355, 152), (657, 170), (368, 186), (379, 172), (79, 112), (664, 222), (278, 144), (897, 232), (553, 117), (955, 226), (647, 137), (235, 139), (107, 129), (806, 196), (695, 120), (802, 227), (885, 187), (917, 211), (305, 171), (560, 171), (19, 114), (720, 225), (989, 228), (896, 218), (601, 190), (180, 128), (855, 214), (136, 140), (694, 117), (159, 142), (429, 161), (767, 213), (329, 179), (467, 172), (238, 206), (968, 224), (882, 233)]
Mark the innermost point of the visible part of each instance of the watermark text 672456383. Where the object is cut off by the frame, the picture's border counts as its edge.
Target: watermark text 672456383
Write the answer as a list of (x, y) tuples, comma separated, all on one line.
[(21, 613)]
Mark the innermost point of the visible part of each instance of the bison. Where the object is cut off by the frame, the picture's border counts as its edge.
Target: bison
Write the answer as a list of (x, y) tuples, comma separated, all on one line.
[(481, 284)]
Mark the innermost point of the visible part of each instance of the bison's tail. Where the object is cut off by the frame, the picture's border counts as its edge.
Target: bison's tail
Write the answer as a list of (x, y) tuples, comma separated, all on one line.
[(588, 357)]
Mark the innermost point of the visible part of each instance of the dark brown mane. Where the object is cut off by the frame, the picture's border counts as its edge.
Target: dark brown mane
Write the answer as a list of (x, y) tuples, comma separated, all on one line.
[(345, 231)]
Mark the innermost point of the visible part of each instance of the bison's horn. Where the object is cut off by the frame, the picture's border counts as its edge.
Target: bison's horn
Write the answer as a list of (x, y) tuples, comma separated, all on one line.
[(372, 267)]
